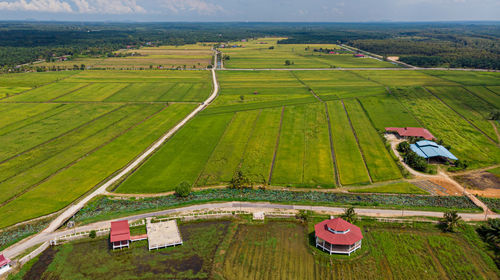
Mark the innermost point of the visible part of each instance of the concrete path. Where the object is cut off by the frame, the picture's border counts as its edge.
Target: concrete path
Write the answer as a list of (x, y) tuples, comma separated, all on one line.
[(19, 248)]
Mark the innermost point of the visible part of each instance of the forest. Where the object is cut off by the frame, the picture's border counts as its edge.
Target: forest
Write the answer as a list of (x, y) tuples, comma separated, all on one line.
[(468, 44)]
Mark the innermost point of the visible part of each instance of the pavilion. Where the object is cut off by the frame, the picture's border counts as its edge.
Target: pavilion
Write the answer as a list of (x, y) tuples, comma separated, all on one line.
[(337, 236), (120, 234), (4, 264)]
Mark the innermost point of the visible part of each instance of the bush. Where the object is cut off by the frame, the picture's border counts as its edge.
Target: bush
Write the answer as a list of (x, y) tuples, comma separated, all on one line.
[(92, 234), (183, 189)]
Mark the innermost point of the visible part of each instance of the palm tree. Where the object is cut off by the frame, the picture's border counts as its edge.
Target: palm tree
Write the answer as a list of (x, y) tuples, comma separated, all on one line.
[(450, 220), (349, 215)]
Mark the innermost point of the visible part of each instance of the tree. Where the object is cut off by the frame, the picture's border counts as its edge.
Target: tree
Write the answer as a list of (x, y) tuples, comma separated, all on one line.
[(183, 189), (349, 215), (240, 181), (450, 221), (287, 62), (242, 97), (403, 147), (92, 234)]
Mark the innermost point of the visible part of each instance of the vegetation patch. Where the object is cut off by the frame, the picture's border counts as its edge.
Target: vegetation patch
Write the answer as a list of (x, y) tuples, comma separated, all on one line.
[(403, 187)]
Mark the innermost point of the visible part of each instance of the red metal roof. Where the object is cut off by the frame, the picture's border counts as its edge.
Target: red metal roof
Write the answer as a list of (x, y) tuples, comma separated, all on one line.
[(120, 231), (352, 233), (3, 260), (411, 132)]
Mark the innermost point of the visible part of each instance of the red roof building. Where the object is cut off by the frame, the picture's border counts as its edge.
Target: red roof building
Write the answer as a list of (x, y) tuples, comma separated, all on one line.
[(120, 234), (337, 236), (4, 264), (411, 132)]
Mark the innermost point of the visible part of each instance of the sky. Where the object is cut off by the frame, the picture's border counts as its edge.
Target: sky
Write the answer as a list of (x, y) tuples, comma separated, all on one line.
[(251, 10)]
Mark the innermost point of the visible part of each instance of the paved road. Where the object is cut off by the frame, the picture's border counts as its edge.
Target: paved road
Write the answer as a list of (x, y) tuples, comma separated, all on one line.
[(371, 212)]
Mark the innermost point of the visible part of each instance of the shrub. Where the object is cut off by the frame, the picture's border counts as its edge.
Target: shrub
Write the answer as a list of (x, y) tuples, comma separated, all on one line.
[(183, 189), (240, 181), (92, 234)]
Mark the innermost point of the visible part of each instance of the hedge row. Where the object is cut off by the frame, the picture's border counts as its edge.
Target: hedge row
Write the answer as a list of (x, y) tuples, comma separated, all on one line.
[(105, 205)]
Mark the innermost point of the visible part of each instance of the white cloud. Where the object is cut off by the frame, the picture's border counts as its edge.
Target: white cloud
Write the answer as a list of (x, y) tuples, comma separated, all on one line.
[(200, 6), (108, 6), (55, 6)]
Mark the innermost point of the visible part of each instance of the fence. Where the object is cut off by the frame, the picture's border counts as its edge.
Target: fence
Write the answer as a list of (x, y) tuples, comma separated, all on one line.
[(33, 254)]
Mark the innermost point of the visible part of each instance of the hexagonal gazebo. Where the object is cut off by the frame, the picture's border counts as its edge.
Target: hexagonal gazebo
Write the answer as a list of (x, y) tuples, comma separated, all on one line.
[(337, 236)]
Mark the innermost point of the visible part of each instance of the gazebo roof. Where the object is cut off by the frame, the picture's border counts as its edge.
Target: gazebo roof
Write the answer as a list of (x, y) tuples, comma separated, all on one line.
[(345, 233)]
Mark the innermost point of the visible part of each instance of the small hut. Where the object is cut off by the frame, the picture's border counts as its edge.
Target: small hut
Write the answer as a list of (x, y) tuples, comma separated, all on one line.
[(337, 236)]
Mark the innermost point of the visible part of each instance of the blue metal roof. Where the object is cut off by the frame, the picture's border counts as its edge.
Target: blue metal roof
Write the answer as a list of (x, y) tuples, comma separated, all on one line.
[(429, 149)]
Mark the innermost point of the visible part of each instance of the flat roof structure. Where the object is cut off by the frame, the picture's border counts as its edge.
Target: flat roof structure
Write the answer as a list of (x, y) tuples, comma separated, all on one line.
[(163, 234), (4, 264), (429, 149), (411, 132)]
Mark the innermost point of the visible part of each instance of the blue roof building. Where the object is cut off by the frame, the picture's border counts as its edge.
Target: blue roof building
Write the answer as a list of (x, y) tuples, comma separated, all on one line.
[(429, 149)]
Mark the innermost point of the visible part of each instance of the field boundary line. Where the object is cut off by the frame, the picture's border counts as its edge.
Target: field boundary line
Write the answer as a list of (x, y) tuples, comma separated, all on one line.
[(168, 91), (72, 145), (202, 171), (80, 158), (63, 134), (492, 91), (357, 141), (69, 92), (276, 146), (462, 116)]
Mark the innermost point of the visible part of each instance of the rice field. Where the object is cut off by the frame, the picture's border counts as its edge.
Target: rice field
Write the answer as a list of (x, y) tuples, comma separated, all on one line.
[(267, 53), (61, 139)]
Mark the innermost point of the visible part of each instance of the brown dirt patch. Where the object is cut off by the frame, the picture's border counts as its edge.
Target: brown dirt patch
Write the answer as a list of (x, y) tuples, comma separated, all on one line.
[(450, 187), (479, 181)]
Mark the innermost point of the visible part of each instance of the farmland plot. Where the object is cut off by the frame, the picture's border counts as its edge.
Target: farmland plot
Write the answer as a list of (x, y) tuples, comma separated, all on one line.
[(350, 163), (259, 153), (304, 155), (94, 92), (228, 154), (403, 78), (466, 142), (141, 92), (468, 78), (70, 183), (13, 113), (182, 158), (45, 93), (33, 79), (486, 94), (474, 109), (378, 160)]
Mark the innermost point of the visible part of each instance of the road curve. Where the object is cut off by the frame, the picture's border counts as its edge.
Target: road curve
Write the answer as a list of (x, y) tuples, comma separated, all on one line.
[(19, 248)]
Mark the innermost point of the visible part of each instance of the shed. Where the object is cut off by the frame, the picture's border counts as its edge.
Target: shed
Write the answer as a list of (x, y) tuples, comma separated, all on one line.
[(429, 149), (337, 236)]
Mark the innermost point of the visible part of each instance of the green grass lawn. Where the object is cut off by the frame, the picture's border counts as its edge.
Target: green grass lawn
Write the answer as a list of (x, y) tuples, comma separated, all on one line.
[(402, 187)]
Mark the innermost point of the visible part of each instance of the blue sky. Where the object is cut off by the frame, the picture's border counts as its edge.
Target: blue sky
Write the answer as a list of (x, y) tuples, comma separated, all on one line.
[(251, 10)]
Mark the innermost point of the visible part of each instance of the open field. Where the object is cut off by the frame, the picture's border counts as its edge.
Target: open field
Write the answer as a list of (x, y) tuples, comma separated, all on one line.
[(403, 78), (256, 53), (277, 249), (192, 260), (468, 78), (55, 151), (196, 56)]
